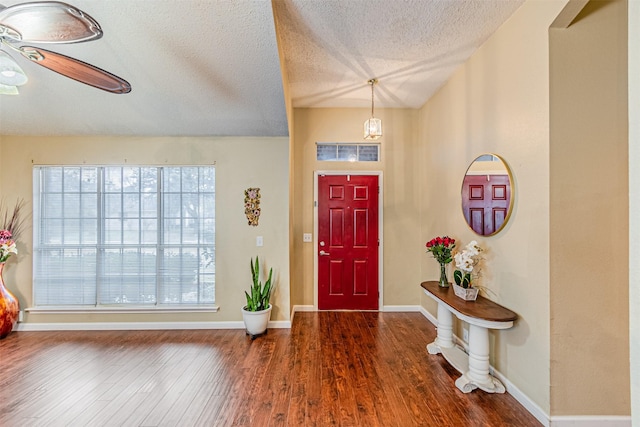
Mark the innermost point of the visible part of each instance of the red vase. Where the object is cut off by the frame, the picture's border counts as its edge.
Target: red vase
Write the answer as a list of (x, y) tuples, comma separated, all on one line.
[(8, 308)]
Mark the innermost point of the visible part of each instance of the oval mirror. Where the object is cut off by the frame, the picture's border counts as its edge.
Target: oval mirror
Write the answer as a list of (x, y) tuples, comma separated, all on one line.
[(487, 194)]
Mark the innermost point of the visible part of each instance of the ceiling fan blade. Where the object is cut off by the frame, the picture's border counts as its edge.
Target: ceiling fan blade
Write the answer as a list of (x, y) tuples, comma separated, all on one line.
[(49, 22), (76, 69)]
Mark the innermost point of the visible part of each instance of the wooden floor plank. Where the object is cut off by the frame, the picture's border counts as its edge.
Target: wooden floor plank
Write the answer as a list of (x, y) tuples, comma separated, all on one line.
[(331, 368)]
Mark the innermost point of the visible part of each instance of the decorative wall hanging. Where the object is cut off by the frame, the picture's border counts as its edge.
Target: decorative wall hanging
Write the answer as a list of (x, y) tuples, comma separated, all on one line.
[(252, 205)]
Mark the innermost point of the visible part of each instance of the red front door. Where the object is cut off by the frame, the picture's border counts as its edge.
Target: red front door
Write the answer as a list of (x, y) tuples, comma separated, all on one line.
[(347, 242)]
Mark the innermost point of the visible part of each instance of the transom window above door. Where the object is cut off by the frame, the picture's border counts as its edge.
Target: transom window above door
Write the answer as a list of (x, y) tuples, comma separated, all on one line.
[(347, 152)]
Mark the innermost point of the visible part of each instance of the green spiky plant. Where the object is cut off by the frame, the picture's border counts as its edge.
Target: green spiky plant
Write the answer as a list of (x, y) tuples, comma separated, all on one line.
[(260, 295)]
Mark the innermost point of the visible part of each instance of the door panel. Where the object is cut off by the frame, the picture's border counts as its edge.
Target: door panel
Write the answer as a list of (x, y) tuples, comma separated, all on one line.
[(360, 228), (485, 202), (360, 277), (348, 242), (337, 228), (477, 220), (336, 272)]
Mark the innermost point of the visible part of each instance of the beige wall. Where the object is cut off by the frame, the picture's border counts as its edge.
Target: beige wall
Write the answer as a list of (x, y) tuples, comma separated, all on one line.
[(634, 205), (240, 163), (402, 248), (589, 213), (297, 255), (498, 103)]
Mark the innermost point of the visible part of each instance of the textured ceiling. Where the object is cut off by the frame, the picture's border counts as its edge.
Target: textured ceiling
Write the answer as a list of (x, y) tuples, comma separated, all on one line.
[(211, 67), (412, 46)]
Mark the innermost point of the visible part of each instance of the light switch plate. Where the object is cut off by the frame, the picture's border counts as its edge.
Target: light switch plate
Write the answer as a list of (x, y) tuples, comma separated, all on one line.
[(307, 237), (259, 241)]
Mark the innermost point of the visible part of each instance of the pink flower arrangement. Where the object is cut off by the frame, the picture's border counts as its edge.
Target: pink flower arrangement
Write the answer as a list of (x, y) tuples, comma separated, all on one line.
[(10, 225)]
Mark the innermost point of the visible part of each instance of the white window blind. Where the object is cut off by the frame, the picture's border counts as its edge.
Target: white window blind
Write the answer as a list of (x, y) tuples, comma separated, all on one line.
[(124, 235), (347, 152)]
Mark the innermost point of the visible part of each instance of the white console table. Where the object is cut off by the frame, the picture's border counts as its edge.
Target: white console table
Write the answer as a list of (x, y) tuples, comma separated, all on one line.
[(481, 315)]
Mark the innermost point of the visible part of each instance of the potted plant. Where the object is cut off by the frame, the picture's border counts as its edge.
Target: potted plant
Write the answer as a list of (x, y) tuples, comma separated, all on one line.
[(466, 260), (258, 309)]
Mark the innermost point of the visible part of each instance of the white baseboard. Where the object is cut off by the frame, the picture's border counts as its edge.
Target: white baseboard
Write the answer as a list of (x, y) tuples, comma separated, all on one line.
[(297, 308), (303, 308), (140, 326), (278, 324), (590, 421)]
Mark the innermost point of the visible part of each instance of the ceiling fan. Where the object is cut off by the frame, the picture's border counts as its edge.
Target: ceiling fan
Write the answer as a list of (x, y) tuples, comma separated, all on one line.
[(50, 22)]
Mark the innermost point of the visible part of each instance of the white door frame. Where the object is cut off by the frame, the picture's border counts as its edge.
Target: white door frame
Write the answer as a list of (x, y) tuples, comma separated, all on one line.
[(316, 174)]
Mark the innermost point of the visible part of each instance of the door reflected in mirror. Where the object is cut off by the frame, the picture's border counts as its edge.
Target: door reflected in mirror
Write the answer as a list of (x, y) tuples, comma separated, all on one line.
[(487, 194)]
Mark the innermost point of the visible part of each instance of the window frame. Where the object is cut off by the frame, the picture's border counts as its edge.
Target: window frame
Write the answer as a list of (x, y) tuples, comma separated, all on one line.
[(100, 305)]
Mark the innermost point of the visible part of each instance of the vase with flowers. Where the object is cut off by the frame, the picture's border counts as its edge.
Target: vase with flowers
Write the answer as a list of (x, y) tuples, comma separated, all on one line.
[(441, 249), (10, 226), (463, 276)]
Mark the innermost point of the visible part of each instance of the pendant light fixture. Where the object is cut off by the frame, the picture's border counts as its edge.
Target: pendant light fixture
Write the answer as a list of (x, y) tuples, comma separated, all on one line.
[(373, 126)]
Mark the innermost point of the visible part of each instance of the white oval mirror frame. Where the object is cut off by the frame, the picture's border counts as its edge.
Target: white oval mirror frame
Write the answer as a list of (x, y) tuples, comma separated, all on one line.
[(487, 194)]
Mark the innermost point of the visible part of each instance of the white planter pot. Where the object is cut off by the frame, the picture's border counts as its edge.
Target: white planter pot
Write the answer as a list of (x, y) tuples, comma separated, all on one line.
[(256, 322), (467, 294)]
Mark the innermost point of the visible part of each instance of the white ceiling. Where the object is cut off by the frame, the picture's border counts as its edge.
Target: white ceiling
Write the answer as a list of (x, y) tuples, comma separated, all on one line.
[(211, 67)]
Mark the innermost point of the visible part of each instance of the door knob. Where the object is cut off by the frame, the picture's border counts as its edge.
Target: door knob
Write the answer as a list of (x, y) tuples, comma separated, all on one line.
[(323, 253)]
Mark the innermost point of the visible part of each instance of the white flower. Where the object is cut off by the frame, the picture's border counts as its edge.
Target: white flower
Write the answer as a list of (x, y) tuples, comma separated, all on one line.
[(9, 248), (6, 249), (465, 259), (472, 248)]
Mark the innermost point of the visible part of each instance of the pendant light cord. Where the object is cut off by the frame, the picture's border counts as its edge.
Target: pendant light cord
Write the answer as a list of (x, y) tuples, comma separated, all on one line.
[(372, 82)]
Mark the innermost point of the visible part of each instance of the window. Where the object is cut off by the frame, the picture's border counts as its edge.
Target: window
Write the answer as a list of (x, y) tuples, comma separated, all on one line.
[(347, 152), (124, 235)]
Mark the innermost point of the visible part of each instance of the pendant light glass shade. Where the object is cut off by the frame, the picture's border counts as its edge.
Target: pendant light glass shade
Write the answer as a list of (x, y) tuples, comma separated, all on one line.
[(10, 72), (373, 126)]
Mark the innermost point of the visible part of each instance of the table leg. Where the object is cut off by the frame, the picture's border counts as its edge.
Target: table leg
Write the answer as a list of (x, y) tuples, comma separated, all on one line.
[(444, 330), (478, 374)]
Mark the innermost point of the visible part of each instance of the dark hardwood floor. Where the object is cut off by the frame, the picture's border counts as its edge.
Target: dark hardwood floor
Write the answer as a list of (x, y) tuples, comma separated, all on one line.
[(331, 368)]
